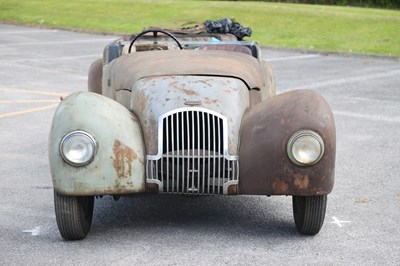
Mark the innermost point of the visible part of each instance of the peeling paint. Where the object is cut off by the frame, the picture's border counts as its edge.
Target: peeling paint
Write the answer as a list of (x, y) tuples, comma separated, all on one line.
[(210, 101), (123, 158), (300, 181), (206, 82), (189, 92), (280, 187)]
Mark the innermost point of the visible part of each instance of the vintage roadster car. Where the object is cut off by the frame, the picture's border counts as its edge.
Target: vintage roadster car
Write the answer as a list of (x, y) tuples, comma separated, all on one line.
[(191, 114)]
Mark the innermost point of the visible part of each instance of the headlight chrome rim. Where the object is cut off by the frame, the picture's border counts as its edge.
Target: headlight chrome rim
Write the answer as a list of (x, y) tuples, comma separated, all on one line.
[(92, 151), (302, 135)]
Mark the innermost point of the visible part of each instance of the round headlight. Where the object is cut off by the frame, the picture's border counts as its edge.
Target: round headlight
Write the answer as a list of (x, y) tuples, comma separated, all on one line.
[(305, 147), (78, 148)]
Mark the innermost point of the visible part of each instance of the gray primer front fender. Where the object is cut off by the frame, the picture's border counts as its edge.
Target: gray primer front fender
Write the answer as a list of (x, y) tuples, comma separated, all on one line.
[(118, 166)]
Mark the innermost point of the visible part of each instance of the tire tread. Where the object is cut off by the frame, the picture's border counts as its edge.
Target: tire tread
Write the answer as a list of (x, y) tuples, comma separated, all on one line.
[(74, 215), (310, 214)]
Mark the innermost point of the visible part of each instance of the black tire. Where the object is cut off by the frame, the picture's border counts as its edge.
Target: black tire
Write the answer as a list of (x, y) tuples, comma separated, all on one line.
[(74, 215), (309, 213)]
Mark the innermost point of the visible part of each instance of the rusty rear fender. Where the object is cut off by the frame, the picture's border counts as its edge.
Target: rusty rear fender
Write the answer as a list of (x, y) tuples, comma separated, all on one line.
[(265, 168), (118, 166)]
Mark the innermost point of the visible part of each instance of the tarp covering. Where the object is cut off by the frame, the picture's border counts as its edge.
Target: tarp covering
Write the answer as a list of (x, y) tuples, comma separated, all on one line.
[(226, 25)]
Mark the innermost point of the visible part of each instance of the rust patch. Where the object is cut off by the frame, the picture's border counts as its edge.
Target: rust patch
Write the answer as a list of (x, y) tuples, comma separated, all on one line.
[(151, 137), (233, 190), (209, 101), (192, 103), (142, 101), (123, 158), (301, 182), (189, 92), (280, 187), (174, 84), (152, 188), (205, 82)]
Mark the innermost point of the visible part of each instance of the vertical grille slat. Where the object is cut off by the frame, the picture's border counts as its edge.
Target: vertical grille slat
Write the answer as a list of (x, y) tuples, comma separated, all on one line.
[(213, 176), (192, 158), (209, 151), (193, 154), (177, 152), (198, 172), (203, 153), (167, 154)]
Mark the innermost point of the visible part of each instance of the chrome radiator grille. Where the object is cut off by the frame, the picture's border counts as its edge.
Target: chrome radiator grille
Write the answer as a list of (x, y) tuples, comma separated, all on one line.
[(192, 154)]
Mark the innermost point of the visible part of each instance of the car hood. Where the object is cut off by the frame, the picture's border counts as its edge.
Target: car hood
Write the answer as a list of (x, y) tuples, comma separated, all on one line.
[(152, 97)]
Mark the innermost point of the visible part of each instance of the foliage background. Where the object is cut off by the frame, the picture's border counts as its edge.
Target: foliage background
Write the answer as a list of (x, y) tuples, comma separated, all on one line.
[(360, 3), (299, 26)]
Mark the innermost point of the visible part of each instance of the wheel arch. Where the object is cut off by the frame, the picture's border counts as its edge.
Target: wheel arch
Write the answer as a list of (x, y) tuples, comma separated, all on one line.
[(265, 168), (118, 165)]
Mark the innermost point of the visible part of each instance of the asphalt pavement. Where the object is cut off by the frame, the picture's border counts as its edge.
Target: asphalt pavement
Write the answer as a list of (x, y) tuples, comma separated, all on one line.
[(38, 66)]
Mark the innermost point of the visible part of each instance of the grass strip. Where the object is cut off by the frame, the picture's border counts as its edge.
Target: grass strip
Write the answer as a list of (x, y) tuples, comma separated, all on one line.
[(329, 28)]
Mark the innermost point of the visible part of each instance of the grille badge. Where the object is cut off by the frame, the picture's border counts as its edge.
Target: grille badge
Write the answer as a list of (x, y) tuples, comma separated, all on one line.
[(192, 103), (193, 189)]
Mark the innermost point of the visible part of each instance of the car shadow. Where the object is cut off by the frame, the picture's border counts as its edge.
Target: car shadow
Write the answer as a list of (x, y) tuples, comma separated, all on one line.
[(250, 216)]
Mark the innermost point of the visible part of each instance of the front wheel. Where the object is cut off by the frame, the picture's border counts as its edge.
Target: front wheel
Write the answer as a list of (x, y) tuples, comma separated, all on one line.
[(309, 213), (74, 215)]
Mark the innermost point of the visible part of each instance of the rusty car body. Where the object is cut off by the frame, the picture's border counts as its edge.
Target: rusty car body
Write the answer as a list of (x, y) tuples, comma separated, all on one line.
[(191, 114)]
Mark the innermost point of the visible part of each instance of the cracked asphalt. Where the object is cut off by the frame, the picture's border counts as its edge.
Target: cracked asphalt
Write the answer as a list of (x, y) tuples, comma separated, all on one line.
[(38, 66)]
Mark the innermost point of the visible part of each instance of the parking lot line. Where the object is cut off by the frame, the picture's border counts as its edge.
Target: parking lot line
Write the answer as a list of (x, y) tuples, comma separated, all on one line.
[(28, 111), (339, 222), (33, 91), (53, 100), (348, 80), (30, 101), (51, 58), (296, 57), (371, 117), (58, 42), (19, 32)]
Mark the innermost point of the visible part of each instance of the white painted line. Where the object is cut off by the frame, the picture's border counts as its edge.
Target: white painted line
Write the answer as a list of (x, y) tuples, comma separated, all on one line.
[(296, 57), (338, 222), (51, 59), (25, 31), (379, 118), (58, 42), (341, 81), (34, 232)]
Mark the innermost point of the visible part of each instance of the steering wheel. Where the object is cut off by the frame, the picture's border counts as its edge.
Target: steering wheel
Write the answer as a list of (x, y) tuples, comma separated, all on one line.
[(155, 36)]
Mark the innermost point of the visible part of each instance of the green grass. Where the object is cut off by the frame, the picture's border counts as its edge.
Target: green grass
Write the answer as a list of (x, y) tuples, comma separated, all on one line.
[(343, 29)]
